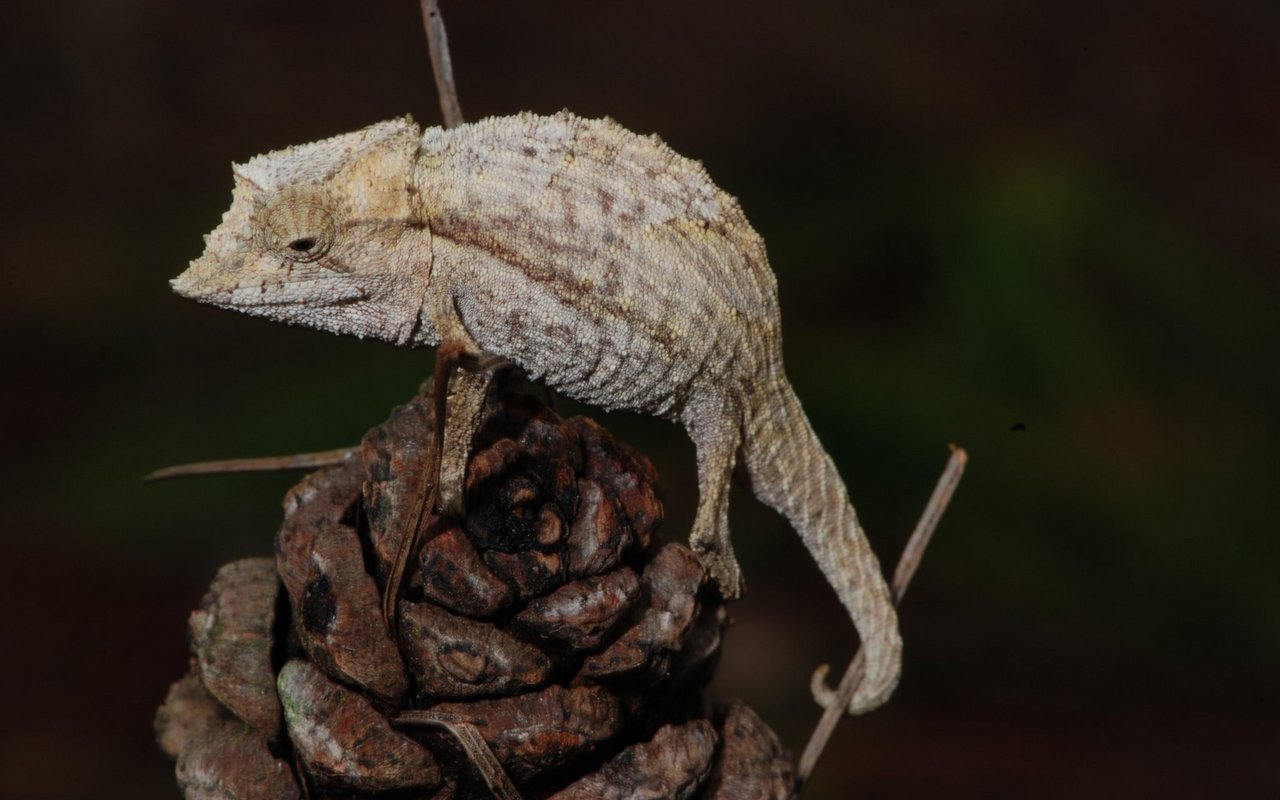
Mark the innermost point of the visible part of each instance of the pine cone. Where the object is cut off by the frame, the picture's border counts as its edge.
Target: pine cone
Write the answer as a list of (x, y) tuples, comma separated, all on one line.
[(548, 636)]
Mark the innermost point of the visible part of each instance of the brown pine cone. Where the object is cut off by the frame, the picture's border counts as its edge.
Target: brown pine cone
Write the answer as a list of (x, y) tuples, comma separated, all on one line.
[(547, 639)]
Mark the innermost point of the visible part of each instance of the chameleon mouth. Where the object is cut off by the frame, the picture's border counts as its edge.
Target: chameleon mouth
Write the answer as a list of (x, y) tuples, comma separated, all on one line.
[(207, 281), (312, 295), (250, 297)]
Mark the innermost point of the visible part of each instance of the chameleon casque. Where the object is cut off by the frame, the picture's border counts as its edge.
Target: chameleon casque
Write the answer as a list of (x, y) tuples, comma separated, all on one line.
[(601, 262)]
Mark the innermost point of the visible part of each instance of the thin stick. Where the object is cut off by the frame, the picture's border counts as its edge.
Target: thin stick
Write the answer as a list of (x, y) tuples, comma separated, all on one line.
[(415, 533), (441, 63), (907, 565), (913, 553), (323, 458), (473, 744)]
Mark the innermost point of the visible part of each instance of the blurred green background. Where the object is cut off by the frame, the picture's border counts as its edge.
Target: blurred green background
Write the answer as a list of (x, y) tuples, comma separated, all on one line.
[(981, 213)]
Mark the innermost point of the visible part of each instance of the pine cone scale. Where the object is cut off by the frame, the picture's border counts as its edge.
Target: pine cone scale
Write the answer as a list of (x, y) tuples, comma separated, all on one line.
[(670, 766), (338, 606), (452, 574), (232, 636), (532, 733), (753, 765), (455, 657), (217, 757), (583, 612), (344, 741)]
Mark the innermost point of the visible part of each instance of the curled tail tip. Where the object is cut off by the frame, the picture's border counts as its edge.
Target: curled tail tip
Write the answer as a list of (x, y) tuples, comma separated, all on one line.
[(875, 689), (868, 697)]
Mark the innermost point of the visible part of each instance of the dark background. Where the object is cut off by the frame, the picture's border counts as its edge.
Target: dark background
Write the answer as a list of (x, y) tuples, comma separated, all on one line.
[(980, 213)]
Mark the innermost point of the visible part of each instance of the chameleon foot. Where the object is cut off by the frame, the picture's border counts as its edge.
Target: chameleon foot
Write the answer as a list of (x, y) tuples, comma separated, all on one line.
[(723, 569)]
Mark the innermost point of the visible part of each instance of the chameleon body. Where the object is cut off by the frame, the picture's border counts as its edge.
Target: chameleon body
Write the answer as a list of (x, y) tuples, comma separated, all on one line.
[(599, 261)]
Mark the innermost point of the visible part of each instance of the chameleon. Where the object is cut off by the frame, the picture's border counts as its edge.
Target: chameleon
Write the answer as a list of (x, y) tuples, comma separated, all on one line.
[(600, 262)]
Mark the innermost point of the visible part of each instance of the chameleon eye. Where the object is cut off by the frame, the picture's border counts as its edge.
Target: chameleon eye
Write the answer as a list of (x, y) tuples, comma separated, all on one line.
[(301, 229)]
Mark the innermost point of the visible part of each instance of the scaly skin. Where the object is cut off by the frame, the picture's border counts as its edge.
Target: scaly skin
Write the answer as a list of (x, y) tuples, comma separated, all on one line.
[(599, 261)]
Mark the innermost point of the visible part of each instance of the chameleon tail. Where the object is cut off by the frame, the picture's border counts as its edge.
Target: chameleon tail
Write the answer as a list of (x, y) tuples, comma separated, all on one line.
[(791, 473)]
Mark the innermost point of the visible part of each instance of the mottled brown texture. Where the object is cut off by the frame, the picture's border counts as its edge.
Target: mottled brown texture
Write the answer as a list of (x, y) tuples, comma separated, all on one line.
[(393, 453), (233, 765), (701, 647), (670, 766), (337, 605), (452, 574), (532, 733), (583, 612), (218, 757), (232, 637), (529, 573), (752, 764), (344, 741), (516, 506), (670, 581), (496, 458), (596, 541), (452, 656), (602, 263), (187, 713), (629, 476)]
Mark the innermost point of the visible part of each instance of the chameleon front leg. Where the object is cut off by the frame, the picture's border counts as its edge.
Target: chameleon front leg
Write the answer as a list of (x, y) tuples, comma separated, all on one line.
[(467, 396), (716, 432), (465, 409)]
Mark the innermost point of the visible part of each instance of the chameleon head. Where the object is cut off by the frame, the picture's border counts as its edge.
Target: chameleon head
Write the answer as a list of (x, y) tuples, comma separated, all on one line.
[(330, 235)]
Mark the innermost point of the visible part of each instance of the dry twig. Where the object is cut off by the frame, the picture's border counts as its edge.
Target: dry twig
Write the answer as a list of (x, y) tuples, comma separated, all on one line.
[(441, 63), (838, 700), (473, 744), (308, 461)]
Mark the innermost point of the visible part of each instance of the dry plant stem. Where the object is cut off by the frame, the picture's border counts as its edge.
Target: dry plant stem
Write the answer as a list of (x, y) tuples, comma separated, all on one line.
[(477, 750), (912, 554), (441, 63), (447, 357), (308, 461), (906, 569)]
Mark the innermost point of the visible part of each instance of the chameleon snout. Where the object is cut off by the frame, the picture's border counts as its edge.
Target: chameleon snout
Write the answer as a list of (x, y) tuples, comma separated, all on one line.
[(201, 279), (187, 284)]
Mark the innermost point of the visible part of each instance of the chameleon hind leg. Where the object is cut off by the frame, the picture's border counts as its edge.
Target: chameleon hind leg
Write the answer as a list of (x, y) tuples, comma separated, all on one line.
[(716, 430)]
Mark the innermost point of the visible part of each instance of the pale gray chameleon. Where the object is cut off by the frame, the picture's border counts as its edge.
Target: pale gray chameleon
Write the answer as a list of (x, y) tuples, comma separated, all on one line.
[(599, 261)]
